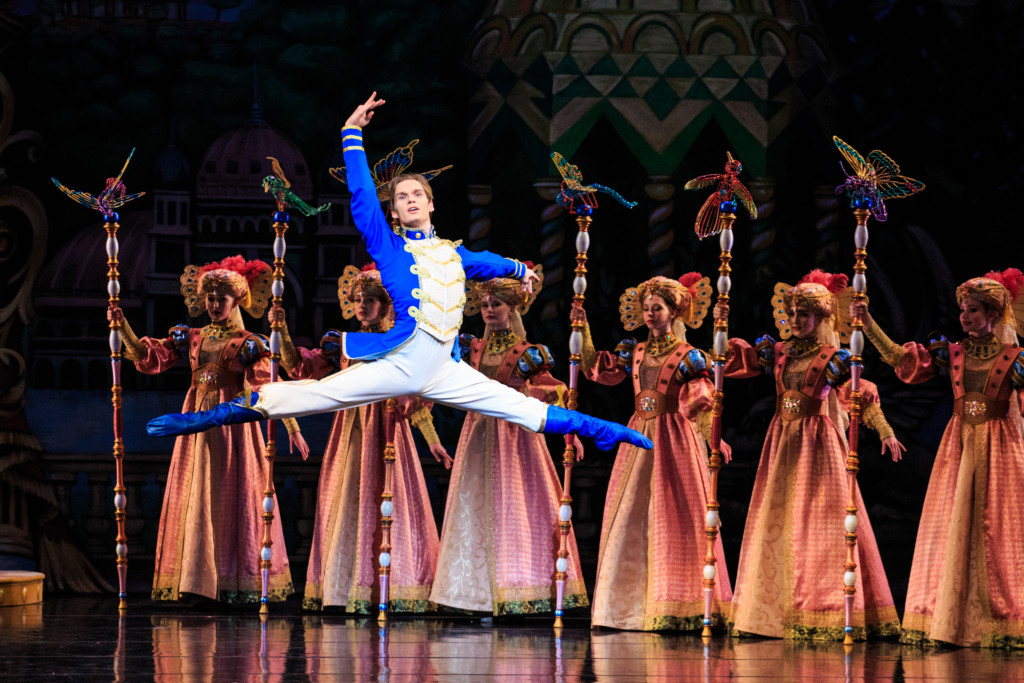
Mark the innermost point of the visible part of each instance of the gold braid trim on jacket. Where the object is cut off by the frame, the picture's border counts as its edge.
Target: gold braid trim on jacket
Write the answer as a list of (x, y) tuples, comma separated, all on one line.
[(892, 353)]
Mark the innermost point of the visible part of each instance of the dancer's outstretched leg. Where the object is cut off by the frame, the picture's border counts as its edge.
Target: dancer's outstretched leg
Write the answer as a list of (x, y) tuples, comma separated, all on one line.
[(424, 368), (230, 412), (557, 421)]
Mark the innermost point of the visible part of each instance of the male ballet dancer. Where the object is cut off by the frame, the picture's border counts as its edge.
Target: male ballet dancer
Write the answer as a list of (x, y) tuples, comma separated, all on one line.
[(419, 355)]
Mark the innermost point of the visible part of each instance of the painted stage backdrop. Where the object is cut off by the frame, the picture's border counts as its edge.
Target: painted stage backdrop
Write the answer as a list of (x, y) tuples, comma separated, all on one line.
[(640, 94)]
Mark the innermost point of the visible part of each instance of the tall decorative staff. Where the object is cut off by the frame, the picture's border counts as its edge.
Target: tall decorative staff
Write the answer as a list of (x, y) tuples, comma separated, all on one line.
[(278, 186), (387, 509), (716, 217), (580, 200), (113, 196), (388, 168), (874, 180)]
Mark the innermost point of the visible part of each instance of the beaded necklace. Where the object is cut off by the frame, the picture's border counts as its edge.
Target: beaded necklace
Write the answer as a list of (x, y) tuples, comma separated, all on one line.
[(218, 331), (501, 341), (659, 346), (982, 348), (798, 348)]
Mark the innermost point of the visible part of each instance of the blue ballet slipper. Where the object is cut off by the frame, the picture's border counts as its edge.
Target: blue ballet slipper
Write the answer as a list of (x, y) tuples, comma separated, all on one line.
[(604, 433)]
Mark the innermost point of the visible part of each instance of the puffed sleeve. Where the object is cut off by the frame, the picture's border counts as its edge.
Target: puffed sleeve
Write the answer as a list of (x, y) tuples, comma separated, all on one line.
[(838, 369), (871, 407), (919, 363), (1017, 371), (159, 355), (694, 364), (695, 401), (255, 357), (612, 367), (318, 363), (534, 366), (744, 360)]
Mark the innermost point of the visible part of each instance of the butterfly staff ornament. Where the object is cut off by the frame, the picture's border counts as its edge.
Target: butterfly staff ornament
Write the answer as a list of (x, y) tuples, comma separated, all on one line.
[(873, 180)]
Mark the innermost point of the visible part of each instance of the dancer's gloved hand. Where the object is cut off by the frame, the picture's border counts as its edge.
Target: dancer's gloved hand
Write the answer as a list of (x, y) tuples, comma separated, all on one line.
[(441, 455)]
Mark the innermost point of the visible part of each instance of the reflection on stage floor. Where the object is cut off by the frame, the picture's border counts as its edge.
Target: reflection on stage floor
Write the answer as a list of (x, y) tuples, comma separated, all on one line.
[(84, 639)]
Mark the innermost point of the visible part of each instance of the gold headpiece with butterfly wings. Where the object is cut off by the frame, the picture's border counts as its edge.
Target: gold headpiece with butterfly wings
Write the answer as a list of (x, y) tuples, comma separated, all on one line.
[(833, 308), (507, 289), (692, 300), (355, 279), (257, 291), (1016, 320)]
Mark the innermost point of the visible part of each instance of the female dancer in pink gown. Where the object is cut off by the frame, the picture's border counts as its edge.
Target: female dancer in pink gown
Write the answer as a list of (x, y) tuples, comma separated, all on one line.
[(651, 561), (967, 580), (500, 536), (211, 525), (790, 578), (343, 560)]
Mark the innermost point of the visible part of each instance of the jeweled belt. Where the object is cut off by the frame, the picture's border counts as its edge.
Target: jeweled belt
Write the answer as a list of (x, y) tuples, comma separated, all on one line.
[(211, 377), (649, 403), (975, 409), (793, 405)]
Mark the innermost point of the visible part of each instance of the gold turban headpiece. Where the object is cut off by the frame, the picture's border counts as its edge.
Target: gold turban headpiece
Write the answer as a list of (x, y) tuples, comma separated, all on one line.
[(1000, 292)]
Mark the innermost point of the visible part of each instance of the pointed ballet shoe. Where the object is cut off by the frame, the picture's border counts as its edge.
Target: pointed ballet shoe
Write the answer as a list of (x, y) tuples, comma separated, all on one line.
[(604, 433), (231, 412)]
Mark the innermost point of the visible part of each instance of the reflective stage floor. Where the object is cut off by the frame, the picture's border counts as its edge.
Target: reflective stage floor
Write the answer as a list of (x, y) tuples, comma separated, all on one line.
[(83, 639)]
